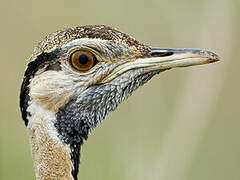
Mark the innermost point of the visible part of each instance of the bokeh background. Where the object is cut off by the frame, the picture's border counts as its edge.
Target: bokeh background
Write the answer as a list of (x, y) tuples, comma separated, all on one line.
[(182, 125)]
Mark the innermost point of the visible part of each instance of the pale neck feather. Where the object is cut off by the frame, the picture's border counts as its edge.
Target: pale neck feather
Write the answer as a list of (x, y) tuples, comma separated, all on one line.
[(51, 157)]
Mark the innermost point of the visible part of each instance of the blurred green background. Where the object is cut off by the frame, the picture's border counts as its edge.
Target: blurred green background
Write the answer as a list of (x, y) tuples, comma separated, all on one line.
[(182, 125)]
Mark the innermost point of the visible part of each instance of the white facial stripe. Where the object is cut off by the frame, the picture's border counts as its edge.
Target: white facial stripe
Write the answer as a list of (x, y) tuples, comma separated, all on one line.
[(83, 41)]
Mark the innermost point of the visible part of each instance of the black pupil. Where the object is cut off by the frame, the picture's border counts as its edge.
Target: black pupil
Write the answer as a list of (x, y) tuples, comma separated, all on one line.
[(83, 59)]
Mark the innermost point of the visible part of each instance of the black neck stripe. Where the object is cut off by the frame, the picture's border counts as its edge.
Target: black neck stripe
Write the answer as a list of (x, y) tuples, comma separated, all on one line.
[(75, 157), (40, 62)]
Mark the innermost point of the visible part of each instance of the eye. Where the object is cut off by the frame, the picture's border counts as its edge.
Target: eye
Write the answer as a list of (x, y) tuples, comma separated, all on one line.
[(82, 60)]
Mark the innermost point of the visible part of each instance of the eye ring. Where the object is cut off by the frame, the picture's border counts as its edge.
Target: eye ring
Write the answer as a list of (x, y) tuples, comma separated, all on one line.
[(82, 60)]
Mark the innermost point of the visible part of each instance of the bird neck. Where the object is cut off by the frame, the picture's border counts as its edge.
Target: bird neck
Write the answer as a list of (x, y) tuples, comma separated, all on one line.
[(52, 158)]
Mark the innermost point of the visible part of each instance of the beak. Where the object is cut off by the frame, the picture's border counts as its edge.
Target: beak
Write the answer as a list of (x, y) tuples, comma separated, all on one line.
[(159, 59)]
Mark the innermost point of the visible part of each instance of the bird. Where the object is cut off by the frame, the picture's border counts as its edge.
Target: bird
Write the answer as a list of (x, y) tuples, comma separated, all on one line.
[(74, 78)]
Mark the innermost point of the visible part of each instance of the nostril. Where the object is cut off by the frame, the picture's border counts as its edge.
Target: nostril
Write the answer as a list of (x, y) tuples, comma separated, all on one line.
[(161, 54)]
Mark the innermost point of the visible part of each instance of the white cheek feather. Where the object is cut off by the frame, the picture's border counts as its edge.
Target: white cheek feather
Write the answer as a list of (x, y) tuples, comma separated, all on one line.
[(52, 89), (52, 83)]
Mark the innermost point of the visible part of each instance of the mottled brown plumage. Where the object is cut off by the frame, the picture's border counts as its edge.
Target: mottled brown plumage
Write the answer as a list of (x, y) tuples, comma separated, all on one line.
[(61, 37)]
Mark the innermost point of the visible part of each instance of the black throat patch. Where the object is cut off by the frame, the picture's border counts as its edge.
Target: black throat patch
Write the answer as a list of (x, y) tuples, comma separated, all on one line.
[(41, 61), (72, 130)]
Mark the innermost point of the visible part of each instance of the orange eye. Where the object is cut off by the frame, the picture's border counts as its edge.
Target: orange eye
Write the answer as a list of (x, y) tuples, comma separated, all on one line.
[(82, 60)]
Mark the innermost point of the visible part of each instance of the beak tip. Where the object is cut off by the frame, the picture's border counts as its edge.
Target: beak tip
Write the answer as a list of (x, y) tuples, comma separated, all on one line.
[(213, 57)]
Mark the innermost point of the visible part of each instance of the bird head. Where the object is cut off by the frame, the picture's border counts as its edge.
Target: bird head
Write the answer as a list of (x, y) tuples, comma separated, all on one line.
[(79, 75)]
